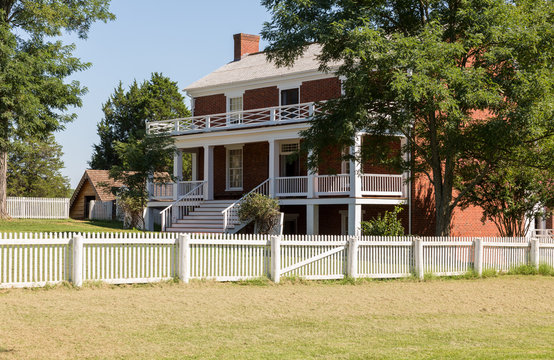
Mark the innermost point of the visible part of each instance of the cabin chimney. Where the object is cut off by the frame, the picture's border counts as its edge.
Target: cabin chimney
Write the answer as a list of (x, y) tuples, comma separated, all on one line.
[(246, 44)]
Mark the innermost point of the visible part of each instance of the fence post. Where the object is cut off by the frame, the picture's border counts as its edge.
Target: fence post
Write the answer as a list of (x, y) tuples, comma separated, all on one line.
[(535, 253), (353, 257), (418, 258), (478, 256), (77, 269), (184, 257), (275, 258)]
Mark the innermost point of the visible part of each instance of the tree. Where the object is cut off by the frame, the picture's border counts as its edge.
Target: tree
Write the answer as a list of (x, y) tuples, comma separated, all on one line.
[(261, 209), (386, 225), (34, 99), (34, 169), (126, 113), (465, 81), (141, 161), (513, 196)]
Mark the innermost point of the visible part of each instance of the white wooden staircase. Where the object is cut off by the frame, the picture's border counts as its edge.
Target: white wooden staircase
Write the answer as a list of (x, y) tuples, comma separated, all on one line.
[(206, 218)]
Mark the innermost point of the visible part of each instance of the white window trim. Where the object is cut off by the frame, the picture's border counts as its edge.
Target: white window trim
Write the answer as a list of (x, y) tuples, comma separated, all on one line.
[(227, 148), (228, 106)]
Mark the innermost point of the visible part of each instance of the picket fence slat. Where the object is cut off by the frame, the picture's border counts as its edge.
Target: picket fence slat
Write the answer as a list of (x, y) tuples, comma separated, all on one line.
[(34, 260)]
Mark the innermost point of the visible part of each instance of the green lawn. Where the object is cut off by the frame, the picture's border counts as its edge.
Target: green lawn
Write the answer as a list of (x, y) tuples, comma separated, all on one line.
[(63, 225), (506, 317)]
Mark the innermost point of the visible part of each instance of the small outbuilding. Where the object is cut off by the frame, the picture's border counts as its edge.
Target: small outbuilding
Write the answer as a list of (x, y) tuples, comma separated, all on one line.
[(92, 199)]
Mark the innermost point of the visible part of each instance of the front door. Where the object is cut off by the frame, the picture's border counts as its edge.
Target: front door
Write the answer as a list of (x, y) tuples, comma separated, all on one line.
[(290, 165)]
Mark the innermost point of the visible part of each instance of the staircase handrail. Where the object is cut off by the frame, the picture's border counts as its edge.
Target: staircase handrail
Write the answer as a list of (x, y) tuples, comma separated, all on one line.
[(231, 207), (182, 198)]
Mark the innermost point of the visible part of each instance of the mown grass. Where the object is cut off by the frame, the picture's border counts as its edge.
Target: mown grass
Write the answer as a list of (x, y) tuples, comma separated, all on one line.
[(504, 317), (60, 225)]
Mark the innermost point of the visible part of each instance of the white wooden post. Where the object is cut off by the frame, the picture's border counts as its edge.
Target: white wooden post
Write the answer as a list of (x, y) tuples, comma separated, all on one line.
[(312, 178), (311, 110), (356, 168), (272, 115), (77, 269), (275, 258), (208, 122), (273, 167), (418, 258), (354, 219), (478, 256), (535, 253), (353, 257), (184, 257), (209, 171), (177, 172)]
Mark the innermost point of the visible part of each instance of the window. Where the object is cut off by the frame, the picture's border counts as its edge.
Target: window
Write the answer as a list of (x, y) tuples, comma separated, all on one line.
[(345, 164), (290, 97), (235, 104), (234, 169)]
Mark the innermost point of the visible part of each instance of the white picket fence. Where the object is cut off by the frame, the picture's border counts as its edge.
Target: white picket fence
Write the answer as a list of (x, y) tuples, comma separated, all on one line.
[(29, 260), (100, 210), (38, 208)]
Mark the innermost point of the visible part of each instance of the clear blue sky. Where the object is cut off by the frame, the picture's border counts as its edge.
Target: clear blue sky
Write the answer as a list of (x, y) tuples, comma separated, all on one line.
[(183, 39)]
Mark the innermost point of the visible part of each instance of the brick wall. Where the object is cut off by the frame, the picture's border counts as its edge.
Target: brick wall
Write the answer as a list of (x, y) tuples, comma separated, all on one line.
[(261, 98), (316, 90), (255, 169), (319, 90), (330, 219), (211, 104)]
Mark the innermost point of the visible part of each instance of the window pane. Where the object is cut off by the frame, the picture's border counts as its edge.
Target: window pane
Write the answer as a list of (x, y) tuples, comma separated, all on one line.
[(234, 172), (235, 104)]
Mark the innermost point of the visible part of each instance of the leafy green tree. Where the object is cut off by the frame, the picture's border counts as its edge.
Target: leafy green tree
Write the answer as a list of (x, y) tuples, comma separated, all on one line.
[(261, 209), (141, 161), (126, 113), (34, 99), (386, 225), (34, 169), (465, 81), (513, 196)]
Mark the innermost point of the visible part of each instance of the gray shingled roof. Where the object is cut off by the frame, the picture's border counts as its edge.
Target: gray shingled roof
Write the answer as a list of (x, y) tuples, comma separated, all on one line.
[(256, 66)]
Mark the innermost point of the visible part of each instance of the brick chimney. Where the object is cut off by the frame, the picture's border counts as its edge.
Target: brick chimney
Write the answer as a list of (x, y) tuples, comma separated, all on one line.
[(246, 44)]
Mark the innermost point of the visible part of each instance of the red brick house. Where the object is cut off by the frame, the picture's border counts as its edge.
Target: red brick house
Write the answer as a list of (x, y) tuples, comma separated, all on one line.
[(246, 123)]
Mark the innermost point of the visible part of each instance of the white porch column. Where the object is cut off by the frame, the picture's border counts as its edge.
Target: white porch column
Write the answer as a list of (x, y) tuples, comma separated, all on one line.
[(273, 167), (407, 184), (149, 219), (209, 172), (312, 181), (354, 219), (355, 169), (194, 165), (312, 219), (177, 172)]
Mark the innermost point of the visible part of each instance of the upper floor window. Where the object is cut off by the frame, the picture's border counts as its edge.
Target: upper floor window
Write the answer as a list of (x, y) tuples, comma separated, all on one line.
[(235, 105), (290, 97)]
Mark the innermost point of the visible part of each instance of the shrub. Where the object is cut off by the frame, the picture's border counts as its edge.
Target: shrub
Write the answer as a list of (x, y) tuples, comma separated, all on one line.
[(386, 225), (261, 209)]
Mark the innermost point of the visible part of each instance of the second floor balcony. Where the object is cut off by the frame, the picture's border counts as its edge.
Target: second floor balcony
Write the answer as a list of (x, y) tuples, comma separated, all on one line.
[(277, 115)]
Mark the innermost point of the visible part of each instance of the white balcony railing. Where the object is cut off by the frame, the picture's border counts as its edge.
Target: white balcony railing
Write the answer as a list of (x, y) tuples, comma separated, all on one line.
[(333, 184), (160, 190), (382, 185), (231, 120), (164, 191), (291, 186)]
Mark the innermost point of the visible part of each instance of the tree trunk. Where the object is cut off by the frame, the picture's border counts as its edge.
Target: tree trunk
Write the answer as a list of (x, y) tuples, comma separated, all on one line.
[(443, 218), (3, 185)]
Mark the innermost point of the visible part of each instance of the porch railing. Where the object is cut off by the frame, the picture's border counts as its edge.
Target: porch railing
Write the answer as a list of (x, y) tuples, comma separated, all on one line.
[(231, 213), (333, 184), (160, 190), (247, 118), (291, 186), (183, 206), (382, 185)]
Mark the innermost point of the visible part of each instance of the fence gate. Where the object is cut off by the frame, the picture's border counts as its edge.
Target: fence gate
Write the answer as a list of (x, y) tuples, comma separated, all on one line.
[(313, 260)]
